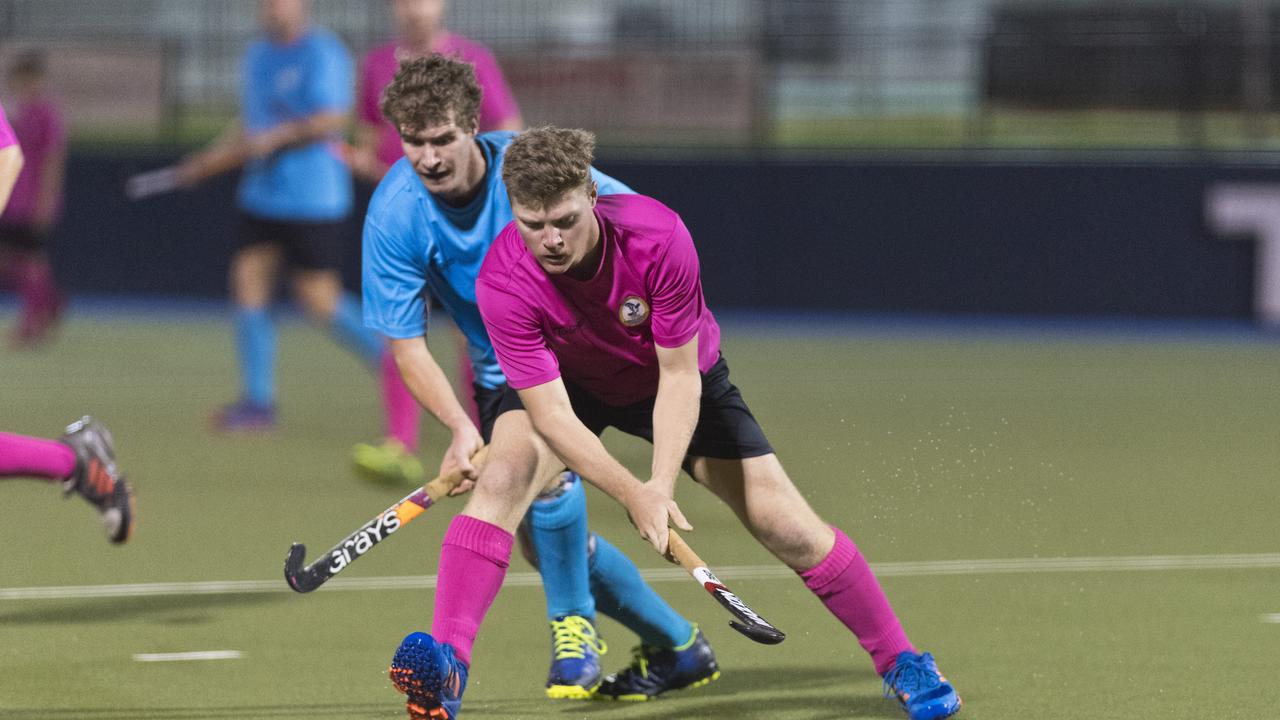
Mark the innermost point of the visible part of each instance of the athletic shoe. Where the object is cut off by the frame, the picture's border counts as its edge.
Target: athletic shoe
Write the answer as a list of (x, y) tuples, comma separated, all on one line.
[(656, 670), (97, 479), (921, 690), (575, 658), (245, 416), (387, 462), (430, 675)]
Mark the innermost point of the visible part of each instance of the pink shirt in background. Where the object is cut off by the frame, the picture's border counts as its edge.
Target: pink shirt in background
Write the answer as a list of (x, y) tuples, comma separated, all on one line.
[(379, 67), (6, 131), (41, 132), (600, 333)]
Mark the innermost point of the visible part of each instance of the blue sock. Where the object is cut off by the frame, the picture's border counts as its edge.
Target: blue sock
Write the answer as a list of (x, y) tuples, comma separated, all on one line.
[(623, 595), (558, 529), (256, 346), (349, 329)]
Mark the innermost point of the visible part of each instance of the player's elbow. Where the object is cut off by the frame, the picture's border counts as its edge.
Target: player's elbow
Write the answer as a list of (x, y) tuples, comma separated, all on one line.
[(12, 160)]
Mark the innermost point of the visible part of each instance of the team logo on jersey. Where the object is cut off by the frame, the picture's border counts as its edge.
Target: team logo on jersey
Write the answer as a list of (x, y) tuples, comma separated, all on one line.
[(634, 311)]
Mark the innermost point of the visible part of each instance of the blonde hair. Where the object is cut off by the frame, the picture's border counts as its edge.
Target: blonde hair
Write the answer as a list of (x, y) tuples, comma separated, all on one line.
[(544, 164), (432, 90)]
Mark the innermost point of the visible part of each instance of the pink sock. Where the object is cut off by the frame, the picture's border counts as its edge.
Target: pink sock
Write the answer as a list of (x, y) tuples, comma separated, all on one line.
[(401, 409), (473, 563), (35, 457), (845, 584), (36, 286)]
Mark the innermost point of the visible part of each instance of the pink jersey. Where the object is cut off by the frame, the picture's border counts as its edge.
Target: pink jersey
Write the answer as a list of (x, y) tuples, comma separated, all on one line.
[(7, 137), (497, 105), (39, 129), (600, 333)]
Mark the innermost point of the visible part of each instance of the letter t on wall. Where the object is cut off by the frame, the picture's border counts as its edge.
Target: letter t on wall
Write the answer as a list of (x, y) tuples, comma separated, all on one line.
[(1252, 210)]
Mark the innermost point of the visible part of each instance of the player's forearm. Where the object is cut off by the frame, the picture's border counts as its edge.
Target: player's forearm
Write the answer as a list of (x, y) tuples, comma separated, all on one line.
[(675, 415), (299, 132), (582, 451), (10, 165), (228, 151), (427, 382), (365, 161)]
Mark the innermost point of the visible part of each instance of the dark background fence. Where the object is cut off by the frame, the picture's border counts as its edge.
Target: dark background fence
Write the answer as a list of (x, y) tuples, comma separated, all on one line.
[(930, 237)]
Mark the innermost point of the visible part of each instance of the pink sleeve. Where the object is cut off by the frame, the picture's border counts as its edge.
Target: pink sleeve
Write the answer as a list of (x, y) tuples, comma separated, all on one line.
[(676, 291), (7, 137), (498, 105), (517, 339)]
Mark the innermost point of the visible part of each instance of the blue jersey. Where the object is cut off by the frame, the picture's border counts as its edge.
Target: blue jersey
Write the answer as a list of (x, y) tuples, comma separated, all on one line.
[(282, 83), (416, 247)]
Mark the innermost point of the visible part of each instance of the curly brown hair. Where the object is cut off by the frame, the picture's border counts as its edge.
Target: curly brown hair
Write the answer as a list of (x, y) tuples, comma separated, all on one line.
[(544, 164), (430, 91)]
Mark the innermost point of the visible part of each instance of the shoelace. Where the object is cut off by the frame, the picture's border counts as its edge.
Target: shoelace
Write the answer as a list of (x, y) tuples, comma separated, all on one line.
[(911, 677), (571, 634), (640, 661)]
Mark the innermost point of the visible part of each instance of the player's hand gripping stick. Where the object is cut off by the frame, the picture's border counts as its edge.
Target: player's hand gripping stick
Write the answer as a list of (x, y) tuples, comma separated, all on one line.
[(748, 622), (354, 546)]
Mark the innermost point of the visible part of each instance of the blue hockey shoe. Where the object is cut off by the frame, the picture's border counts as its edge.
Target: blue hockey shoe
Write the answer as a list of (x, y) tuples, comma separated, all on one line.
[(575, 658), (915, 681), (430, 675), (655, 670), (245, 416)]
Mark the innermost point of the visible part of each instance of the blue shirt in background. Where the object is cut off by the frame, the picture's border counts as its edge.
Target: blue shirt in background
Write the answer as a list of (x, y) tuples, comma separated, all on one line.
[(416, 247), (282, 83)]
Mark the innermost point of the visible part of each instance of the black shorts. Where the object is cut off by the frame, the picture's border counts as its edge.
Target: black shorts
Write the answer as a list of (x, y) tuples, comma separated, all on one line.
[(726, 428), (23, 237), (489, 403), (307, 245)]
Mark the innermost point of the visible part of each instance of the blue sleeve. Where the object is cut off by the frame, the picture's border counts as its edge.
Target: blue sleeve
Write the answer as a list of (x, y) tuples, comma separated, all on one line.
[(331, 82), (606, 185), (394, 284)]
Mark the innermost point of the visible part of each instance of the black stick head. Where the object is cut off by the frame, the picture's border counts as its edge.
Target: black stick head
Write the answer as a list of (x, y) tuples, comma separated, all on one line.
[(763, 634), (296, 573)]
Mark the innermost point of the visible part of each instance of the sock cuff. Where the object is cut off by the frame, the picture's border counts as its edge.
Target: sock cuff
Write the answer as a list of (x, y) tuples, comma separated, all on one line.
[(482, 538), (833, 565), (554, 513), (253, 313), (452, 631)]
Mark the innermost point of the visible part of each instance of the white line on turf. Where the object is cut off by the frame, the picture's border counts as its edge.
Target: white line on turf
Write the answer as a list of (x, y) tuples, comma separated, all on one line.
[(185, 656), (673, 574), (1272, 618)]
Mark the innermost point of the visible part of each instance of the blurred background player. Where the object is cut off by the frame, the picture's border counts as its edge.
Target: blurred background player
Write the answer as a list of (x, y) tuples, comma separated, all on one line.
[(642, 354), (295, 195), (27, 224), (428, 228), (84, 458), (419, 27)]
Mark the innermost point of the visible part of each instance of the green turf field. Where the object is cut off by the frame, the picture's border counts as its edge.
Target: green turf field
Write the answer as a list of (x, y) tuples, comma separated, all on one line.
[(929, 448)]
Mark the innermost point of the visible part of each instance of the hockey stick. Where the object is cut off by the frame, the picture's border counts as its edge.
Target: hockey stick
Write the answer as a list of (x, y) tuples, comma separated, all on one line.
[(352, 547), (749, 623), (151, 183)]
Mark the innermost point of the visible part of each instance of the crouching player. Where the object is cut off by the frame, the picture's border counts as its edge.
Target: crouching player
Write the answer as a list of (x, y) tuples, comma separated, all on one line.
[(427, 230), (595, 309)]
